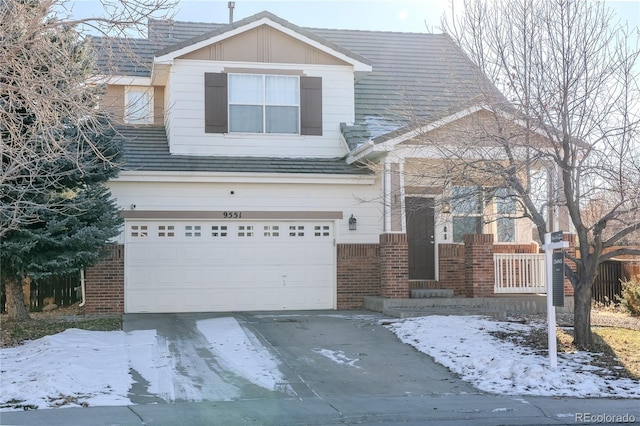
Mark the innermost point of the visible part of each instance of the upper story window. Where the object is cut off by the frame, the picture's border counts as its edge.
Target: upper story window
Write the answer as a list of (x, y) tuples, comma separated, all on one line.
[(138, 105), (264, 103), (258, 103)]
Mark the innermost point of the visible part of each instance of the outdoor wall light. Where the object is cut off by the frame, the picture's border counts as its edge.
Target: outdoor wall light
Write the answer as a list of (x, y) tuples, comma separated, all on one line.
[(446, 207), (353, 223)]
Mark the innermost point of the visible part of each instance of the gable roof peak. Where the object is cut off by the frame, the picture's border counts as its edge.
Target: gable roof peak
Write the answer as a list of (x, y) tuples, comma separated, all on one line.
[(252, 21)]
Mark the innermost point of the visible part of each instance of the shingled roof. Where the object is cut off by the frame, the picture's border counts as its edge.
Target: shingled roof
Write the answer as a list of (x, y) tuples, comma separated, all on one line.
[(414, 74), (147, 149), (416, 77)]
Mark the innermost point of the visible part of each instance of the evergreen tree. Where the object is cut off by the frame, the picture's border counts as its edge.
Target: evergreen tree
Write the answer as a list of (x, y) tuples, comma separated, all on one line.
[(69, 236), (57, 150)]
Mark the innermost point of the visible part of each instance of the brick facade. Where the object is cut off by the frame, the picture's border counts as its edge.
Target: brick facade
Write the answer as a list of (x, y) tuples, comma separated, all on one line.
[(358, 274), (478, 265), (394, 266), (451, 264), (104, 283)]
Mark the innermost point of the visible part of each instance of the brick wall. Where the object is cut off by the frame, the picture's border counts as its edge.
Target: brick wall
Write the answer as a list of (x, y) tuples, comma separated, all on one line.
[(451, 266), (516, 248), (394, 266), (104, 283), (478, 265), (358, 270)]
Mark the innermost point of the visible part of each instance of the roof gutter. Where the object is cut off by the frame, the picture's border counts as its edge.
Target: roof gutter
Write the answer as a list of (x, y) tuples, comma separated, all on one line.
[(359, 152)]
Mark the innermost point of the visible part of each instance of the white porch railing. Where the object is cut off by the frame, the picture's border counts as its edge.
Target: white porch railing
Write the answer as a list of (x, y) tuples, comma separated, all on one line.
[(519, 273)]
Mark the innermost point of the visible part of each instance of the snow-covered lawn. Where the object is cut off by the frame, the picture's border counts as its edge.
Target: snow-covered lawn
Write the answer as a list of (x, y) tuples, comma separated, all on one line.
[(93, 368), (465, 346)]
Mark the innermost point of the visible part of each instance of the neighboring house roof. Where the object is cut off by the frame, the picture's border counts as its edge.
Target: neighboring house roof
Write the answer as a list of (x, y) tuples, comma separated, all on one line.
[(416, 76), (147, 149)]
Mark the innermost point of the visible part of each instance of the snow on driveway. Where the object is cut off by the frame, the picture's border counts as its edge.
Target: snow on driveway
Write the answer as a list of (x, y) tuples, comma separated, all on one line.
[(337, 356), (92, 368), (241, 352), (463, 344)]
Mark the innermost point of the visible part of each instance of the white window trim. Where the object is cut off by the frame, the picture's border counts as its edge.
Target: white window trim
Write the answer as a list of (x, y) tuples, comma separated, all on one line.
[(149, 107), (265, 105), (488, 210)]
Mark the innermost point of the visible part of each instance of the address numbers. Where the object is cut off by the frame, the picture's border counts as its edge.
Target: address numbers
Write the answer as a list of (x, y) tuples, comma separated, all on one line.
[(232, 215)]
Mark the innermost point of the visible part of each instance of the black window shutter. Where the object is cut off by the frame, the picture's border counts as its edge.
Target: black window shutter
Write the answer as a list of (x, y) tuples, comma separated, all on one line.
[(215, 103), (311, 106)]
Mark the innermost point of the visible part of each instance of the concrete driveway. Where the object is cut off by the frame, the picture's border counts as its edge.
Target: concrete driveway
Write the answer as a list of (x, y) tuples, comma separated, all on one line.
[(322, 354), (337, 368)]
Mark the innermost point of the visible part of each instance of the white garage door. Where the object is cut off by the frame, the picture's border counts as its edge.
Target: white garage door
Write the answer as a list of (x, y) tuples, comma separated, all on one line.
[(198, 266)]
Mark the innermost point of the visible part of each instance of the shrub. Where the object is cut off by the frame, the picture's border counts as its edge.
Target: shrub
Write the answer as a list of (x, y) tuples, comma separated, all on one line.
[(630, 299)]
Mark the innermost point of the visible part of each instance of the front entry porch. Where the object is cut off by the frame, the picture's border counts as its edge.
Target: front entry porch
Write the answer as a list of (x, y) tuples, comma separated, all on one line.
[(477, 277)]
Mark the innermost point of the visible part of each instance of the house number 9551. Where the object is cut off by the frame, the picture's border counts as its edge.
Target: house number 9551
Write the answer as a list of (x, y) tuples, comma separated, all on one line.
[(232, 215)]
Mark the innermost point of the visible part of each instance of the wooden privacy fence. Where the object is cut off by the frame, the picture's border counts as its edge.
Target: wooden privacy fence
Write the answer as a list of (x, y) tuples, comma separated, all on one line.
[(63, 290)]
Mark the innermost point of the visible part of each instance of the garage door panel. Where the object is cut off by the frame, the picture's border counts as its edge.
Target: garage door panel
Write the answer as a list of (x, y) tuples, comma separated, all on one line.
[(185, 266)]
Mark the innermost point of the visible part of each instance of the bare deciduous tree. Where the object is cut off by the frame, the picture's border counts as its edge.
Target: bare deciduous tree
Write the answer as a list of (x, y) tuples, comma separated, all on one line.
[(569, 106), (51, 129), (46, 70)]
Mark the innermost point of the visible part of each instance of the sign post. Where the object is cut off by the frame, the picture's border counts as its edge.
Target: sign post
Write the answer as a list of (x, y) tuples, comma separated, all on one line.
[(554, 266)]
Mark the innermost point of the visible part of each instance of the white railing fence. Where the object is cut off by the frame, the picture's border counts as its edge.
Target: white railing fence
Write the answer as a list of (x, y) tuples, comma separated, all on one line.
[(519, 273)]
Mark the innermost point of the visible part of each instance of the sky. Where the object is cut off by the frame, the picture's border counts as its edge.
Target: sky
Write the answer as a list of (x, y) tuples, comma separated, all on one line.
[(38, 373), (377, 15)]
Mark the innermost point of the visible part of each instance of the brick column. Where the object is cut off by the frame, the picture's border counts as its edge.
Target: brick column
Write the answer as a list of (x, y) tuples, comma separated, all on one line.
[(358, 274), (451, 266), (104, 283), (394, 266), (478, 265)]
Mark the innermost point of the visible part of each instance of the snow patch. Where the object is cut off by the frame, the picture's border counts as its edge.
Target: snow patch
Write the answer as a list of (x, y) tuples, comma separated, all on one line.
[(463, 344), (338, 357), (241, 352)]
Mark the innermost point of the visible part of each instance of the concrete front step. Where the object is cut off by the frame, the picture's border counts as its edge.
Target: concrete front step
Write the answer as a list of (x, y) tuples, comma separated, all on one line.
[(403, 308), (426, 293)]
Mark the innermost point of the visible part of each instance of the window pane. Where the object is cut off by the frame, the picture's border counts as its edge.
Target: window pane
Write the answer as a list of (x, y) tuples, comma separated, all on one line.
[(506, 230), (282, 120), (282, 90), (465, 199), (138, 107), (245, 89), (244, 118), (505, 202), (465, 225)]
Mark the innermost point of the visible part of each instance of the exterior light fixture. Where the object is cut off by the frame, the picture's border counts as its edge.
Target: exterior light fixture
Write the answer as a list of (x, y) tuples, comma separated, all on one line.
[(353, 223), (446, 207)]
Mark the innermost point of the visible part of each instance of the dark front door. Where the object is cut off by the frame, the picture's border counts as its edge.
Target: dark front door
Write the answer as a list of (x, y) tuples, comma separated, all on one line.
[(420, 235)]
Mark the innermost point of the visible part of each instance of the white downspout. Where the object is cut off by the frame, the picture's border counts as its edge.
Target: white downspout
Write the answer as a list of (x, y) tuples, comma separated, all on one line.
[(82, 287)]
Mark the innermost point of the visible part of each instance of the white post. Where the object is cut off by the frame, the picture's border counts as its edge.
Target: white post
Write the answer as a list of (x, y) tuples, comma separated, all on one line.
[(549, 246), (551, 310)]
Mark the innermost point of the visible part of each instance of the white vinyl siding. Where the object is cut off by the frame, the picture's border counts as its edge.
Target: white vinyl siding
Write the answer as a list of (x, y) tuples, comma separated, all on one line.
[(303, 195), (186, 117)]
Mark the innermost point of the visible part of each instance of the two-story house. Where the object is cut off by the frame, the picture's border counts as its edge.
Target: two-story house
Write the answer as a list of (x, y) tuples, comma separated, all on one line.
[(265, 167)]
